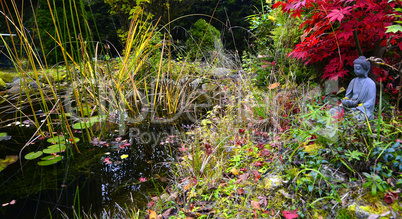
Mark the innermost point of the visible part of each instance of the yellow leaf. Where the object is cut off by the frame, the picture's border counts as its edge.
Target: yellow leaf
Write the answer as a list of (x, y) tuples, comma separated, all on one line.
[(273, 86), (124, 156), (342, 89), (152, 214), (234, 171)]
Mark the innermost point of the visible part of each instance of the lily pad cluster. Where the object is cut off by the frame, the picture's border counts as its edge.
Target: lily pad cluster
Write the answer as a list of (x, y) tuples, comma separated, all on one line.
[(58, 146)]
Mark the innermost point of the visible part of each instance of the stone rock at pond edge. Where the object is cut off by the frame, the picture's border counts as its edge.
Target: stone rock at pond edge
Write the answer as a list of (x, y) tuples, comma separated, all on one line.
[(220, 72), (14, 89), (196, 82), (16, 82), (35, 85)]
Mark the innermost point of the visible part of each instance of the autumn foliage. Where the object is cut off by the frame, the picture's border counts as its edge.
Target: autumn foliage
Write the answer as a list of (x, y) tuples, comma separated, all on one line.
[(328, 33)]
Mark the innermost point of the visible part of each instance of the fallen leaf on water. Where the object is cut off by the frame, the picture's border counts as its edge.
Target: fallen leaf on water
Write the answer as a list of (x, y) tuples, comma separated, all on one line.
[(5, 204), (12, 202), (124, 156), (107, 161)]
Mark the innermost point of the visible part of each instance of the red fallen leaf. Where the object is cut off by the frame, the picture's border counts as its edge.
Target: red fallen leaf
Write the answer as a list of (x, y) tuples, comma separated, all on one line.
[(241, 131), (150, 204), (256, 205), (257, 164), (339, 115), (265, 153), (243, 169), (390, 197), (260, 146), (183, 149), (143, 179), (290, 214), (256, 174), (107, 160), (240, 191)]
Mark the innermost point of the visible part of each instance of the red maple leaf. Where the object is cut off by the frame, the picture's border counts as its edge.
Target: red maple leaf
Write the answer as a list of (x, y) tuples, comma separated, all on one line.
[(338, 14), (290, 214)]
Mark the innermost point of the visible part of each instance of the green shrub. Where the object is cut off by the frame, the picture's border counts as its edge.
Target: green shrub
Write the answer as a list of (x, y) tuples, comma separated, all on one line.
[(198, 44)]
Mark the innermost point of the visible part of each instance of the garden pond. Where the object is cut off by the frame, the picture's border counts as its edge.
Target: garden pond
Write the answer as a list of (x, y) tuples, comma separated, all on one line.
[(112, 172)]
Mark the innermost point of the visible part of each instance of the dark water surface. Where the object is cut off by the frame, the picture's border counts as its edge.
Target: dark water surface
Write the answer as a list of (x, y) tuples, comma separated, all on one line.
[(86, 181)]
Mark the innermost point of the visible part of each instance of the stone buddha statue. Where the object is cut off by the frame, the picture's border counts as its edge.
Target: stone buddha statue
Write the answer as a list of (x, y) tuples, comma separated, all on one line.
[(361, 93)]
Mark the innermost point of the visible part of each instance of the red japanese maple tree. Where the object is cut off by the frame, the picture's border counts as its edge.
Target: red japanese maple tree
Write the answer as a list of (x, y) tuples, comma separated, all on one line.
[(329, 28)]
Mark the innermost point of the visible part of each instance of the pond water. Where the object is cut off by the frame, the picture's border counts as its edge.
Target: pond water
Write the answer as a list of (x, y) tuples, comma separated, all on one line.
[(108, 173)]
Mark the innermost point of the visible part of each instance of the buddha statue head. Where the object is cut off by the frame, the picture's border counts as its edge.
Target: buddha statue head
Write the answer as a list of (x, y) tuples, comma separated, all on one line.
[(361, 67)]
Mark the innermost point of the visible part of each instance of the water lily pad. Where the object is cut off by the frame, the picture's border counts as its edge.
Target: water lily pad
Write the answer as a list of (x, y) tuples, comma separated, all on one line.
[(97, 118), (4, 136), (56, 139), (89, 122), (33, 155), (50, 157), (55, 149), (75, 139), (86, 110), (7, 161), (50, 161), (83, 125)]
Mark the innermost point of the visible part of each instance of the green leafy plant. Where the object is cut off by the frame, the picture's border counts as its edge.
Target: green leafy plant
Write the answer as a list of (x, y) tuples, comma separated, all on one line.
[(203, 39), (375, 183)]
